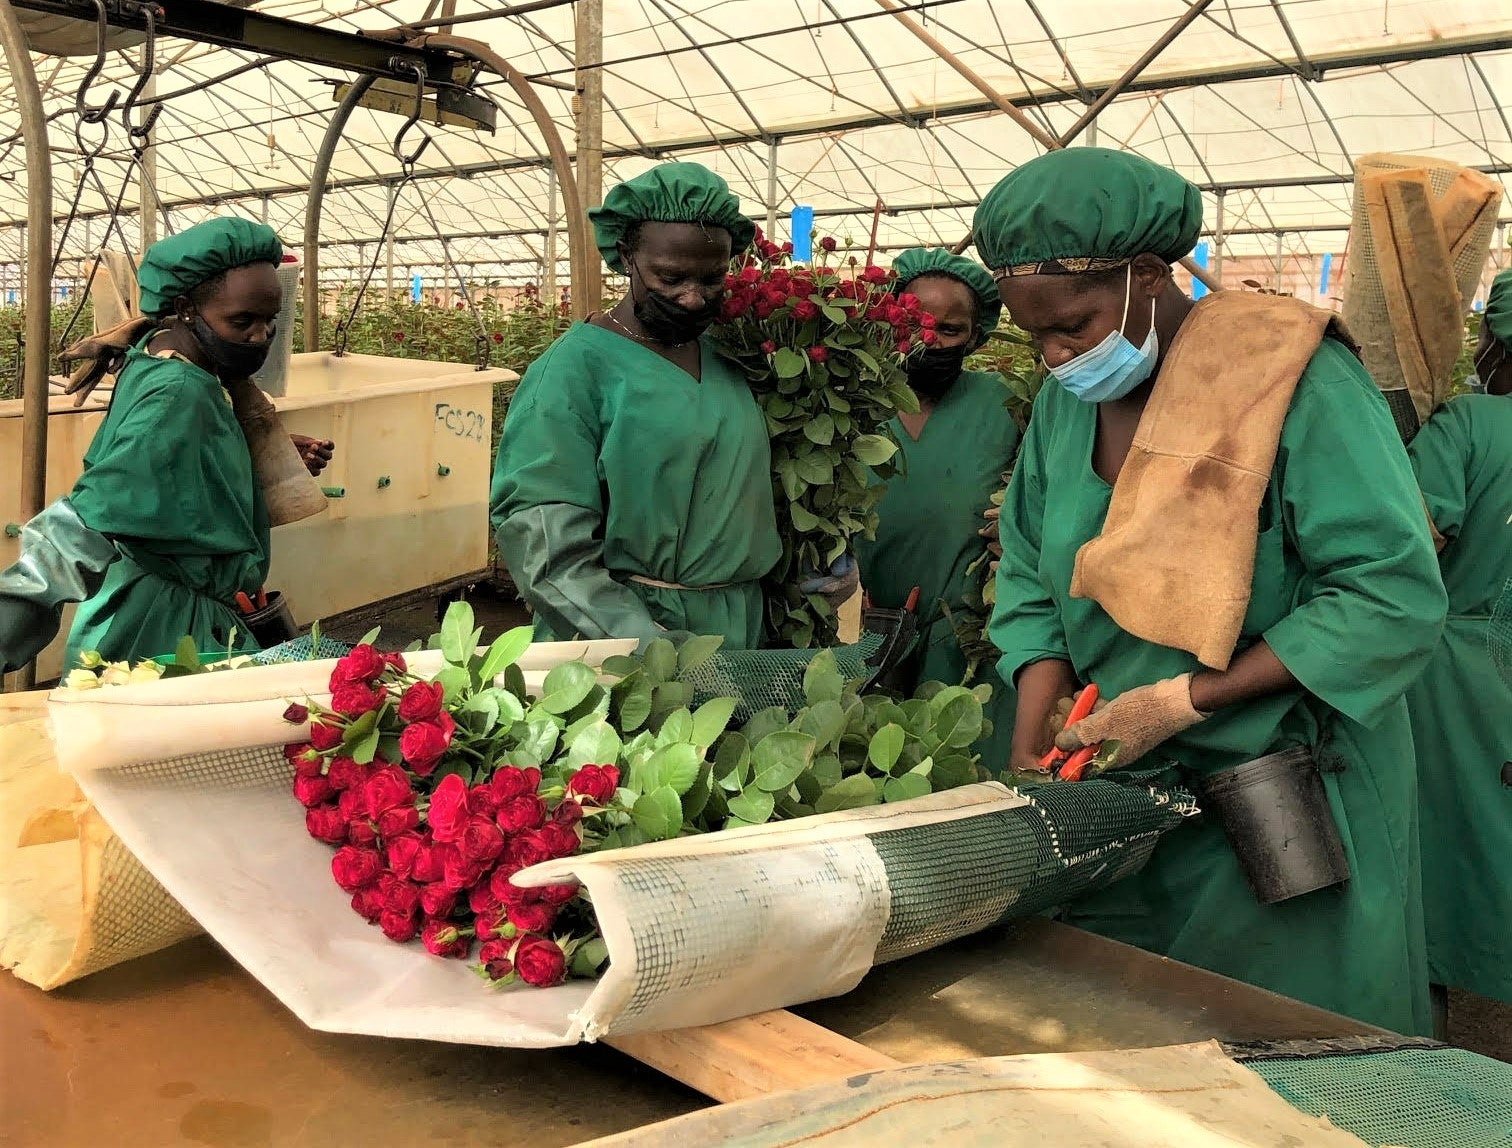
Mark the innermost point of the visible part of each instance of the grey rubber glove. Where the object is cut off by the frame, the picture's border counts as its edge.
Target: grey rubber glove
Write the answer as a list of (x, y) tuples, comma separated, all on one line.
[(62, 560), (838, 586)]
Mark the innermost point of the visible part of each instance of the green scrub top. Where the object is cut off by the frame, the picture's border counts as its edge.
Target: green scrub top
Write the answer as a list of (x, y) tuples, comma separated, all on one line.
[(1346, 592), (614, 463), (168, 478), (1461, 709), (927, 531)]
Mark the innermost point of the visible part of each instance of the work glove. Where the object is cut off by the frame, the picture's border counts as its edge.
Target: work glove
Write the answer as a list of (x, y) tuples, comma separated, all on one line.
[(838, 586), (101, 355), (1138, 720)]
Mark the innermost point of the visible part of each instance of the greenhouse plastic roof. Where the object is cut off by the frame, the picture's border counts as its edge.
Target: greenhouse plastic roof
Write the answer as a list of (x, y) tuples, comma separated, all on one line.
[(1265, 100)]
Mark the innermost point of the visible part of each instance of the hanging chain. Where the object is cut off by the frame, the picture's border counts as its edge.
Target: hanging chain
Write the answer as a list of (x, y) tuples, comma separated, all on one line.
[(138, 136), (407, 161)]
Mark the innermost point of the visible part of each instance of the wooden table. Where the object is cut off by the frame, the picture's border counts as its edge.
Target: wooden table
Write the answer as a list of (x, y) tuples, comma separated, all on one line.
[(185, 1048)]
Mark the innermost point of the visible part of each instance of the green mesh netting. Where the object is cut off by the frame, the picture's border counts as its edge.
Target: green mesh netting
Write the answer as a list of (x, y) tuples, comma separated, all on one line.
[(1406, 1098), (762, 678), (1499, 634), (300, 649)]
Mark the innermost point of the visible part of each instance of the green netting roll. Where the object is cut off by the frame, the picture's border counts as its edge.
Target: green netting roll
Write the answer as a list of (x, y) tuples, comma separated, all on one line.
[(762, 678), (1499, 633)]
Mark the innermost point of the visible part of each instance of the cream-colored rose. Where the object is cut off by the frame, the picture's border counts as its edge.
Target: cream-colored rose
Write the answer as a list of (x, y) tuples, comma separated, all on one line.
[(91, 660), (81, 680), (116, 674), (146, 672)]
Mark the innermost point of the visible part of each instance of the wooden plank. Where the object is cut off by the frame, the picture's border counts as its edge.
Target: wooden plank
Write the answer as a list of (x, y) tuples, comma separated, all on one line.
[(752, 1056)]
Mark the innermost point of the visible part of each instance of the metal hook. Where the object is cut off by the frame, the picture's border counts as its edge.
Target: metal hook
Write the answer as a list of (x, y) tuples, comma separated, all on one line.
[(81, 104), (150, 15), (412, 158)]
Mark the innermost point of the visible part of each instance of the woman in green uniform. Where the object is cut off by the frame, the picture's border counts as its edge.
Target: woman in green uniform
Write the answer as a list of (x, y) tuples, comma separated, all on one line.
[(633, 492), (955, 452), (166, 523), (1461, 709), (1344, 607)]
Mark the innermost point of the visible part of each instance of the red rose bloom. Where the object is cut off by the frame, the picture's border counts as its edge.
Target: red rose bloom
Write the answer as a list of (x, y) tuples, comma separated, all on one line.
[(459, 872), (444, 939), (362, 665), (527, 811), (481, 900), (928, 338), (386, 789), (325, 823), (430, 862), (400, 853), (805, 309), (353, 804), (748, 276), (344, 773), (927, 321), (420, 702), (397, 926), (296, 714), (398, 896), (828, 243), (448, 813), (561, 840), (394, 661), (873, 274), (522, 852), (313, 791), (909, 300), (362, 832), (307, 763), (325, 737), (904, 346), (505, 891), (818, 354), (595, 783), (424, 743), (510, 781), (568, 812), (536, 917), (480, 841), (540, 962), (354, 700), (437, 900), (368, 903), (494, 956), (768, 347), (356, 868), (558, 894), (400, 819)]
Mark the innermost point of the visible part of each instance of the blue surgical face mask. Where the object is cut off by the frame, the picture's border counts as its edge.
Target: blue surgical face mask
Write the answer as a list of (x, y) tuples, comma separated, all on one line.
[(1115, 366)]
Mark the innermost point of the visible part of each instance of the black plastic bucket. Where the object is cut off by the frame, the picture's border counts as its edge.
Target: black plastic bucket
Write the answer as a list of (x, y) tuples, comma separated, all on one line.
[(1274, 812), (273, 623)]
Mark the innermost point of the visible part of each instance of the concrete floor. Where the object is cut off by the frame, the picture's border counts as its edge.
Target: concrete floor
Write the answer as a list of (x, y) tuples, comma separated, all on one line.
[(1475, 1023)]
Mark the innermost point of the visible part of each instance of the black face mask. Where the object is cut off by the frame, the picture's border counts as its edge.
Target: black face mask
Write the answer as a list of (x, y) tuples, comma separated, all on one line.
[(231, 360), (667, 321), (931, 372)]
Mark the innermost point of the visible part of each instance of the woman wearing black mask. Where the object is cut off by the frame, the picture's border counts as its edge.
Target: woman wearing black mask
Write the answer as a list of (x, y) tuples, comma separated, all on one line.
[(166, 524), (632, 493), (955, 451)]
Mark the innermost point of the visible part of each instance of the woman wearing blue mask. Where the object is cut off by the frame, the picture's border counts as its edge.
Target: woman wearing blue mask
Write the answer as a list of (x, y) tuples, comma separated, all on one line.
[(632, 492), (1257, 447)]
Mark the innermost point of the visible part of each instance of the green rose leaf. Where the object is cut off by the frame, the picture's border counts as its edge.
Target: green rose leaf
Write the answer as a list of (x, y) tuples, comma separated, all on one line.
[(621, 665), (886, 746), (951, 771), (697, 650), (660, 660), (788, 363), (457, 634), (566, 686), (825, 721), (826, 771), (635, 705), (676, 726), (852, 792), (802, 518), (765, 722), (540, 740), (753, 806), (710, 721), (673, 766), (658, 814), (873, 449), (696, 800), (822, 681), (779, 758), (905, 788), (454, 681), (959, 723), (820, 429), (505, 651), (599, 744)]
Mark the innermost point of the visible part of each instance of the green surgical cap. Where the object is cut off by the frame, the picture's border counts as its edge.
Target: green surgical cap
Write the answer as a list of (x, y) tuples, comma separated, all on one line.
[(1498, 316), (669, 193), (1085, 209), (177, 265), (917, 261)]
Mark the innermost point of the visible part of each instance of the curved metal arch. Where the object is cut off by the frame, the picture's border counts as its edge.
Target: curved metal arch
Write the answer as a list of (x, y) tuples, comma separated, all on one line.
[(579, 251)]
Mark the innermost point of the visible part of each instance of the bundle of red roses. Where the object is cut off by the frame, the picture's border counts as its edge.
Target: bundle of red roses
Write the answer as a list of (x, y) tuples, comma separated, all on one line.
[(823, 348), (413, 783)]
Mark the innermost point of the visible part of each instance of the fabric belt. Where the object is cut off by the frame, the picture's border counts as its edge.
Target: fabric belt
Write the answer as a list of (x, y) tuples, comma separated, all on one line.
[(660, 585)]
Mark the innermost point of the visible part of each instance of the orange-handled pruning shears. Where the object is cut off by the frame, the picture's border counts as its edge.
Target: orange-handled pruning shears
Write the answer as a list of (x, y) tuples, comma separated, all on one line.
[(262, 599), (243, 603), (1078, 761)]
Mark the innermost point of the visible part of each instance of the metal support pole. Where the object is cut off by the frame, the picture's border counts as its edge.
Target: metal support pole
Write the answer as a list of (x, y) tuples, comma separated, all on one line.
[(549, 262), (322, 169), (1279, 255), (588, 103), (1114, 90), (393, 194), (147, 198), (38, 321), (771, 195), (266, 208), (1218, 237)]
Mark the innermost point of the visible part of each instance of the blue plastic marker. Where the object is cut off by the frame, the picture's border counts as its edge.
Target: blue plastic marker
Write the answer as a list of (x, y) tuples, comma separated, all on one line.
[(1199, 257), (1327, 269), (801, 226), (415, 289)]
